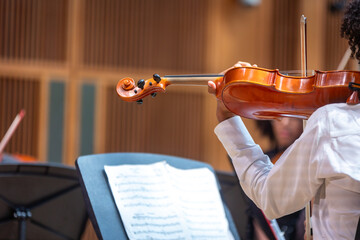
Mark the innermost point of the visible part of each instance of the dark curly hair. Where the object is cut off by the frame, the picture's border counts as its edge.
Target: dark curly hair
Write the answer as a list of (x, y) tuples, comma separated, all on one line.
[(350, 28)]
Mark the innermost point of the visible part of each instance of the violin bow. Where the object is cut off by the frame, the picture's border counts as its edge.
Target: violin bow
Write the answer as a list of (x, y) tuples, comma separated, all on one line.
[(344, 59), (11, 130), (308, 229), (303, 45)]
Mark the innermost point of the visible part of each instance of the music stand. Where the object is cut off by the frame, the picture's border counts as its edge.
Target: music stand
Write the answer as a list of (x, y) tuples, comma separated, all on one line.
[(40, 201), (101, 206), (235, 199)]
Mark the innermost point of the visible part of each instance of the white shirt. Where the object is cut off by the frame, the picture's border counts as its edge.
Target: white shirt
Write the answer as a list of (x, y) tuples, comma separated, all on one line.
[(324, 163)]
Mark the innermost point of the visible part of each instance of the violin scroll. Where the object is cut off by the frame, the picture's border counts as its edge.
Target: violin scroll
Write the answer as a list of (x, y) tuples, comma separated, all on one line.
[(130, 92), (127, 84)]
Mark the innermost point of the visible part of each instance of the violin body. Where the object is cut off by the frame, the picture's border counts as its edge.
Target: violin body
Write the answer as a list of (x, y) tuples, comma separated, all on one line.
[(266, 94), (259, 93)]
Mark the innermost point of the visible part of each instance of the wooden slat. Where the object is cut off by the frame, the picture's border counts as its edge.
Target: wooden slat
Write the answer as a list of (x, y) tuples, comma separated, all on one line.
[(31, 31), (335, 46), (145, 34), (286, 34), (169, 124)]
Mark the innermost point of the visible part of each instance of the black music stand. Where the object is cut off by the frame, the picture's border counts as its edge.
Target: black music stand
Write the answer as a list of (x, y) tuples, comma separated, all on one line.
[(40, 201), (101, 206), (235, 199)]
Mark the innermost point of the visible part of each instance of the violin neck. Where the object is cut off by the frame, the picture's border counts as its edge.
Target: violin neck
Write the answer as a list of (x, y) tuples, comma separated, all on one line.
[(194, 79)]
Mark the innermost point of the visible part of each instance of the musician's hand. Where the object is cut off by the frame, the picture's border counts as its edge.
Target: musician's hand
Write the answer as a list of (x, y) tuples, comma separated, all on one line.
[(239, 64), (222, 113)]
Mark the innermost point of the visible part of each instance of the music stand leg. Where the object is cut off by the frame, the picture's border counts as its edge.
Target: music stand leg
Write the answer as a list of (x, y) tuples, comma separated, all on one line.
[(22, 229), (22, 215)]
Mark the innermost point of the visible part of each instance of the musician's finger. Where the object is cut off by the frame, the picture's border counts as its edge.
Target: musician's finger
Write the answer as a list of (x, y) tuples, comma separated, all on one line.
[(211, 87), (242, 64)]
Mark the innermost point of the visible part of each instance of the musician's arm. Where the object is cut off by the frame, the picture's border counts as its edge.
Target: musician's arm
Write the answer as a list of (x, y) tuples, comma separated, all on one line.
[(281, 189)]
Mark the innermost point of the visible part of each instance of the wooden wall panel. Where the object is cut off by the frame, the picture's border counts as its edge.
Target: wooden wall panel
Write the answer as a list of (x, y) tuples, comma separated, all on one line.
[(335, 46), (286, 33), (170, 123), (33, 30), (145, 34), (15, 94)]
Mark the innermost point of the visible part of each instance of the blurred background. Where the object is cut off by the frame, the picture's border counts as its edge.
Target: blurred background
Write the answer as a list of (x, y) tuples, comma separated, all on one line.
[(60, 61)]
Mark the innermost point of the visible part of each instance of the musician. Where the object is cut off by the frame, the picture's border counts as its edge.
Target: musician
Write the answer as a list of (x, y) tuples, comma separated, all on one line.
[(322, 164), (282, 133)]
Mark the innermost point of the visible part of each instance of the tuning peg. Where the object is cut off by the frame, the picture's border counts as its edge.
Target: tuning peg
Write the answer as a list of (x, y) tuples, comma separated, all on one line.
[(157, 78), (139, 101), (141, 83), (153, 94)]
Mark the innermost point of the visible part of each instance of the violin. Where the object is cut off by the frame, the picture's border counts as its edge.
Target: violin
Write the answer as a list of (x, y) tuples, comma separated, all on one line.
[(259, 93)]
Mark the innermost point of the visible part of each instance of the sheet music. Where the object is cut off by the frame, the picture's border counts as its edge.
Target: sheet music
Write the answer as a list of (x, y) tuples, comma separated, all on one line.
[(158, 201)]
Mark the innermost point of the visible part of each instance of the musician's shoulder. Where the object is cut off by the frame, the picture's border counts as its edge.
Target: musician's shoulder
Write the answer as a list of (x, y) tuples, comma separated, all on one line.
[(338, 118), (335, 109)]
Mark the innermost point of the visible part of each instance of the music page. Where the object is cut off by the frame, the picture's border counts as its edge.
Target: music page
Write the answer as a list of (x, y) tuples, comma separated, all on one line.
[(158, 201)]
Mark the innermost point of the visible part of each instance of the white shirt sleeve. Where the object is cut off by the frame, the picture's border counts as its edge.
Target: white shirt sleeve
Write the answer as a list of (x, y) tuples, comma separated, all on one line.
[(278, 189)]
